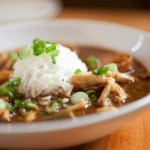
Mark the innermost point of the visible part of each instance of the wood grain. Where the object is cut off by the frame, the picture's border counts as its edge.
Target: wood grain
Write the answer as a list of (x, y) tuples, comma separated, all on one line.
[(136, 135)]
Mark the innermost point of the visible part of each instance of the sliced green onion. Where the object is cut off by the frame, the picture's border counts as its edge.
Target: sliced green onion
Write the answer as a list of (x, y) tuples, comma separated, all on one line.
[(65, 105), (9, 106), (93, 60), (76, 97), (54, 61), (101, 71), (78, 71), (65, 100), (28, 104), (42, 44), (50, 48), (54, 53), (18, 103), (93, 98), (50, 110), (2, 104), (14, 82), (36, 41), (90, 91), (55, 105), (112, 67), (38, 51), (13, 56), (26, 52), (58, 99)]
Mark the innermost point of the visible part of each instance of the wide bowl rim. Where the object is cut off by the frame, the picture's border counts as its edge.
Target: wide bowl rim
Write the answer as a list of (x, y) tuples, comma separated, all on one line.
[(67, 124)]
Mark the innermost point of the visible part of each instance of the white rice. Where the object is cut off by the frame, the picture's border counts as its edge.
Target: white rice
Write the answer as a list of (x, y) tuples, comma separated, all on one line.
[(40, 77)]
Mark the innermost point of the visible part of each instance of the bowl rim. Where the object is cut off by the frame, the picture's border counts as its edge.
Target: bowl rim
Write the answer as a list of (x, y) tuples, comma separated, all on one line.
[(67, 124)]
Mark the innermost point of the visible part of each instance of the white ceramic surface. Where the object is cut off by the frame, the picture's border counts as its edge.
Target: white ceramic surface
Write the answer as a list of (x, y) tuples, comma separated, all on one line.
[(67, 132), (18, 10)]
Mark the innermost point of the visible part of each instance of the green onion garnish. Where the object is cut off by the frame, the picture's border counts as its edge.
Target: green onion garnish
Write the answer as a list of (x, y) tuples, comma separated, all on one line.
[(28, 104), (2, 104), (18, 103), (93, 98), (112, 67), (39, 47), (50, 48), (93, 61), (26, 52), (9, 106), (13, 56), (78, 71), (90, 91), (101, 71), (65, 105), (36, 41)]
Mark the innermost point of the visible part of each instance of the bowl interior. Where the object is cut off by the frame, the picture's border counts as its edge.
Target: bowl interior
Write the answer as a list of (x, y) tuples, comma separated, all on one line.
[(91, 33)]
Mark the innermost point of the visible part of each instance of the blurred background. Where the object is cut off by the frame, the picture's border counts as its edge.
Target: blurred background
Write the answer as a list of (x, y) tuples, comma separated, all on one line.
[(135, 13), (109, 4)]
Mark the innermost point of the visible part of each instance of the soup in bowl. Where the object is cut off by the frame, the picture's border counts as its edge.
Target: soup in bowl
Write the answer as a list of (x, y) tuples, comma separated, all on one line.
[(71, 76)]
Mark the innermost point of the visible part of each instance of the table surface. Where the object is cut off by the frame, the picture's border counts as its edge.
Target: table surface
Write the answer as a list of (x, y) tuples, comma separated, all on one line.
[(135, 135)]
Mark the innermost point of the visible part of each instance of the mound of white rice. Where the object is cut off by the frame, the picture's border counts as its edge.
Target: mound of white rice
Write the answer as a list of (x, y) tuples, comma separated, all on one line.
[(40, 77)]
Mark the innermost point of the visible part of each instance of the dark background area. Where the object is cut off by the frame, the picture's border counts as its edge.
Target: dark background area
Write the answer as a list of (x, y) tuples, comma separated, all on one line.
[(113, 4)]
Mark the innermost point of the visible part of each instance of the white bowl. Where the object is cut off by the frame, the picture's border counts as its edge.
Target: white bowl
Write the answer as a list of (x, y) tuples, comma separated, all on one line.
[(18, 10), (68, 132)]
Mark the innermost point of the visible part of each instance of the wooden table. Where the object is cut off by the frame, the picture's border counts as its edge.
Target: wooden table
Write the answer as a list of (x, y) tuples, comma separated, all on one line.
[(136, 135)]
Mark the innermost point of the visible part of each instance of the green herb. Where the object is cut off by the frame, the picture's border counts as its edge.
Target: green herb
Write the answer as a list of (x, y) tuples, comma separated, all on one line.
[(9, 106), (13, 56), (38, 51), (58, 99), (4, 92), (93, 60), (93, 98), (50, 48), (19, 95), (53, 101), (2, 104), (112, 67), (76, 97), (78, 71), (55, 105), (14, 82), (39, 47), (50, 110), (65, 100), (54, 61), (36, 41), (90, 91), (54, 53), (26, 52), (42, 44), (65, 105), (101, 71), (18, 103), (28, 104)]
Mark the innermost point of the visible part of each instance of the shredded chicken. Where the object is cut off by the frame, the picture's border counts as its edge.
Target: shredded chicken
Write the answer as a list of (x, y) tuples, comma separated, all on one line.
[(4, 75), (88, 80), (31, 116), (102, 109), (79, 105)]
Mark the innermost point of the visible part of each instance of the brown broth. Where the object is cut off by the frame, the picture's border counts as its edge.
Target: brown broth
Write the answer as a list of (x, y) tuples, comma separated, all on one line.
[(135, 90)]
